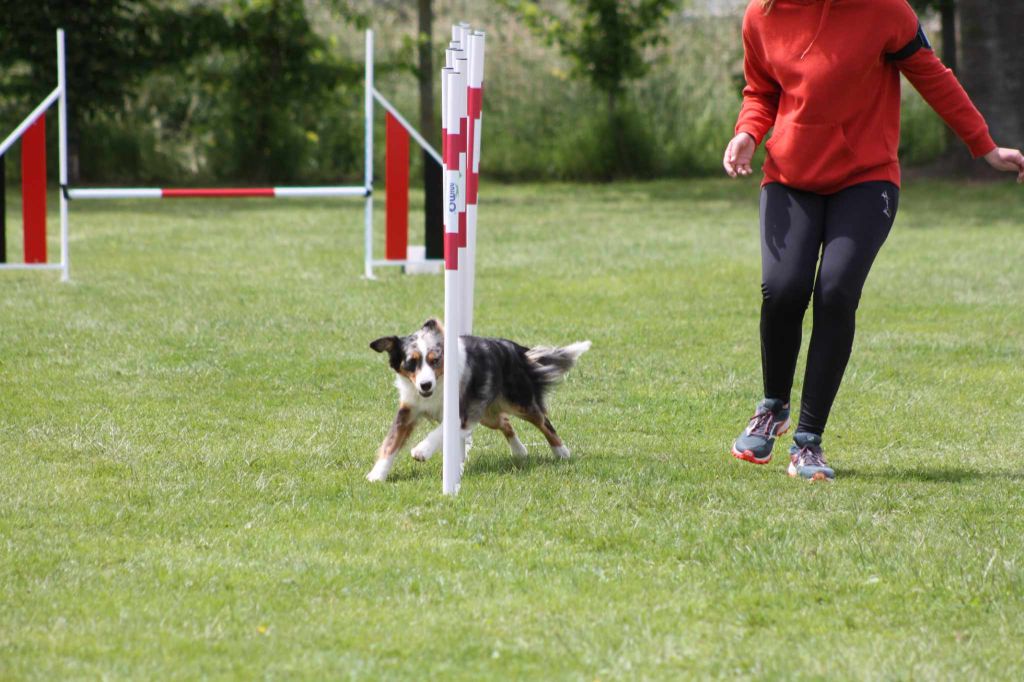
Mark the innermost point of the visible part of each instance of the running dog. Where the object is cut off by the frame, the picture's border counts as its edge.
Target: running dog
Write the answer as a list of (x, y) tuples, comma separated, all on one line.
[(499, 378)]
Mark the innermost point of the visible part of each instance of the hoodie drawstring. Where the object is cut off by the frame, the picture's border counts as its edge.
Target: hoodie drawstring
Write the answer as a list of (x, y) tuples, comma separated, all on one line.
[(821, 26)]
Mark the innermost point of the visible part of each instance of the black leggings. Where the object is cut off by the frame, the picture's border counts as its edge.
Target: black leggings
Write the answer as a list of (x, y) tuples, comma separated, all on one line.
[(838, 235)]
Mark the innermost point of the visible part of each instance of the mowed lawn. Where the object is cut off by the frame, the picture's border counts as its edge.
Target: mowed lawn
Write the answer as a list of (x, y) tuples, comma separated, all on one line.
[(185, 430)]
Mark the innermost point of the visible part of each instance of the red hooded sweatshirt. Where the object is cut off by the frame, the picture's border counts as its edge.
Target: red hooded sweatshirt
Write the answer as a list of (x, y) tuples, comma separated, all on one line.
[(826, 75)]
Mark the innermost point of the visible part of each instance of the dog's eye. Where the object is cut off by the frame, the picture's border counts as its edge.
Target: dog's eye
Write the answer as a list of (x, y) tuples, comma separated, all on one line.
[(433, 359), (410, 365)]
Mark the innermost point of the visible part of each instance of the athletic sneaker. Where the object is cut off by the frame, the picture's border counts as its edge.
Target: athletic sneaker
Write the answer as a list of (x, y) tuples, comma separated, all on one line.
[(807, 460), (770, 421)]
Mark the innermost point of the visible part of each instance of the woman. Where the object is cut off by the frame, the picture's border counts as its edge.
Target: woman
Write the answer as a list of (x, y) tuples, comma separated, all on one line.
[(826, 76)]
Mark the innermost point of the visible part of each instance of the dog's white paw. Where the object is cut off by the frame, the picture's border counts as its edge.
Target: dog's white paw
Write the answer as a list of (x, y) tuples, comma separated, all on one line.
[(561, 452), (423, 451), (379, 472), (517, 447)]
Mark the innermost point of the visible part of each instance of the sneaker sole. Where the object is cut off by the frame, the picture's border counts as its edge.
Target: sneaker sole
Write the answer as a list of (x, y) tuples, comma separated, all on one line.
[(816, 476), (748, 456)]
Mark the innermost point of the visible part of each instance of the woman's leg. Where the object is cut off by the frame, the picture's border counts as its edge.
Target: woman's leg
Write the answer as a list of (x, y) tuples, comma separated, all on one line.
[(857, 222), (792, 228), (792, 224)]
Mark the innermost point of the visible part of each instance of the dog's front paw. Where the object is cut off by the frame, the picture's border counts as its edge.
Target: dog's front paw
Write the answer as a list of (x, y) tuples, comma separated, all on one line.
[(517, 447), (423, 451), (561, 452), (379, 472)]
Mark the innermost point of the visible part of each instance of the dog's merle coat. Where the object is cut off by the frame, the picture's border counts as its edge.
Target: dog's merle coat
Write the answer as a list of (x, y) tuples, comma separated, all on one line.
[(499, 378)]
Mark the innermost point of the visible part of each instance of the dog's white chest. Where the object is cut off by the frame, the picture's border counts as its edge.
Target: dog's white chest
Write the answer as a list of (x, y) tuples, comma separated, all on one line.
[(430, 406)]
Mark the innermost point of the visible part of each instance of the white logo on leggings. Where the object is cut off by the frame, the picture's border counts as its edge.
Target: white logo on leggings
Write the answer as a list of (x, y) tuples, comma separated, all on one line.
[(885, 195)]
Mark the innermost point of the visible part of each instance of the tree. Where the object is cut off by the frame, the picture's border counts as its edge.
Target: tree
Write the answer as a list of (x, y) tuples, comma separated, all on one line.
[(425, 70), (275, 78), (112, 45), (947, 12), (992, 69), (604, 39)]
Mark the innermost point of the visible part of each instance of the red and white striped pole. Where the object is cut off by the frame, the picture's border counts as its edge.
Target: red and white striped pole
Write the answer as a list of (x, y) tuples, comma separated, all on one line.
[(474, 104), (453, 446), (461, 88)]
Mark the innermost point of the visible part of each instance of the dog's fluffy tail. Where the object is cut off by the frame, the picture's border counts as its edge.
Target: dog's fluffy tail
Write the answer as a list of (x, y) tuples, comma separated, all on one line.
[(552, 364)]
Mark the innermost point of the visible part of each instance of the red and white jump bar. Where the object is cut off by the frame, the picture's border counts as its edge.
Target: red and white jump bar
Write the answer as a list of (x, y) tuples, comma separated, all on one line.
[(214, 192)]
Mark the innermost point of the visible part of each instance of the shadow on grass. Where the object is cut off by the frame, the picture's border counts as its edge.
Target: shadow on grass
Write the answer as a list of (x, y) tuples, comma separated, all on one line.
[(483, 463), (506, 463), (410, 470), (932, 474)]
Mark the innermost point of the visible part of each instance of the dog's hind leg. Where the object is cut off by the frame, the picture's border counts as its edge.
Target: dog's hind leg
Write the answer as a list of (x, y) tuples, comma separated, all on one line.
[(426, 448), (543, 424), (501, 422), (401, 427)]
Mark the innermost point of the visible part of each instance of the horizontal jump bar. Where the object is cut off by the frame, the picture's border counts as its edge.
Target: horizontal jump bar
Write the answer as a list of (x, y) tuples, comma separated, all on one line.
[(215, 192)]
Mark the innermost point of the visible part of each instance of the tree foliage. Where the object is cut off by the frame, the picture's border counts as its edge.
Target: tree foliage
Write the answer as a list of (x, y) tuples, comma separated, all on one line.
[(111, 46), (250, 81), (275, 76), (604, 39)]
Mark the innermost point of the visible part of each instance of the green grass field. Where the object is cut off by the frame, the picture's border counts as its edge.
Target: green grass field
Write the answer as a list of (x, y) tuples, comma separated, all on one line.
[(185, 428)]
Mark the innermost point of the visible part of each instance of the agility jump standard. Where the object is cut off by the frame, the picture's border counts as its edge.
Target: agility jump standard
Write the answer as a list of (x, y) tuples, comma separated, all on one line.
[(398, 132), (32, 133), (461, 102)]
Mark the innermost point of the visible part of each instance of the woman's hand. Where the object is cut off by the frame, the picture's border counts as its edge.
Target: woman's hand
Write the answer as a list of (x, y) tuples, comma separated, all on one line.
[(738, 155), (1005, 159)]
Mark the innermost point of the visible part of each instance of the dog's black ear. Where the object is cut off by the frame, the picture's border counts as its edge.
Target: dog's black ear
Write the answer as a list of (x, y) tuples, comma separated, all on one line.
[(433, 324), (385, 344), (392, 345)]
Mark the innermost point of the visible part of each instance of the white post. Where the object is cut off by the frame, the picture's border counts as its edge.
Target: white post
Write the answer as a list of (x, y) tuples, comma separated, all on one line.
[(461, 79), (62, 118), (460, 31), (474, 97), (368, 159), (453, 447)]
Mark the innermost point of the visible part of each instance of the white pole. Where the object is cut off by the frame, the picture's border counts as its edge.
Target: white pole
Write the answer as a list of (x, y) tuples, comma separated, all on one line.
[(368, 159), (474, 96), (461, 78), (453, 447), (328, 191), (62, 117)]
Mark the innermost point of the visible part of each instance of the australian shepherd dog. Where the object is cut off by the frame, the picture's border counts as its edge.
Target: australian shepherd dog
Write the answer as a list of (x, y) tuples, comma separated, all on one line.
[(499, 378)]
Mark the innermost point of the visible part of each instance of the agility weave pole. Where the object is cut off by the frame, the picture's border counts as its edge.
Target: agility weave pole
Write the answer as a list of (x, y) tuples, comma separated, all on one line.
[(32, 134), (461, 101), (398, 131)]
